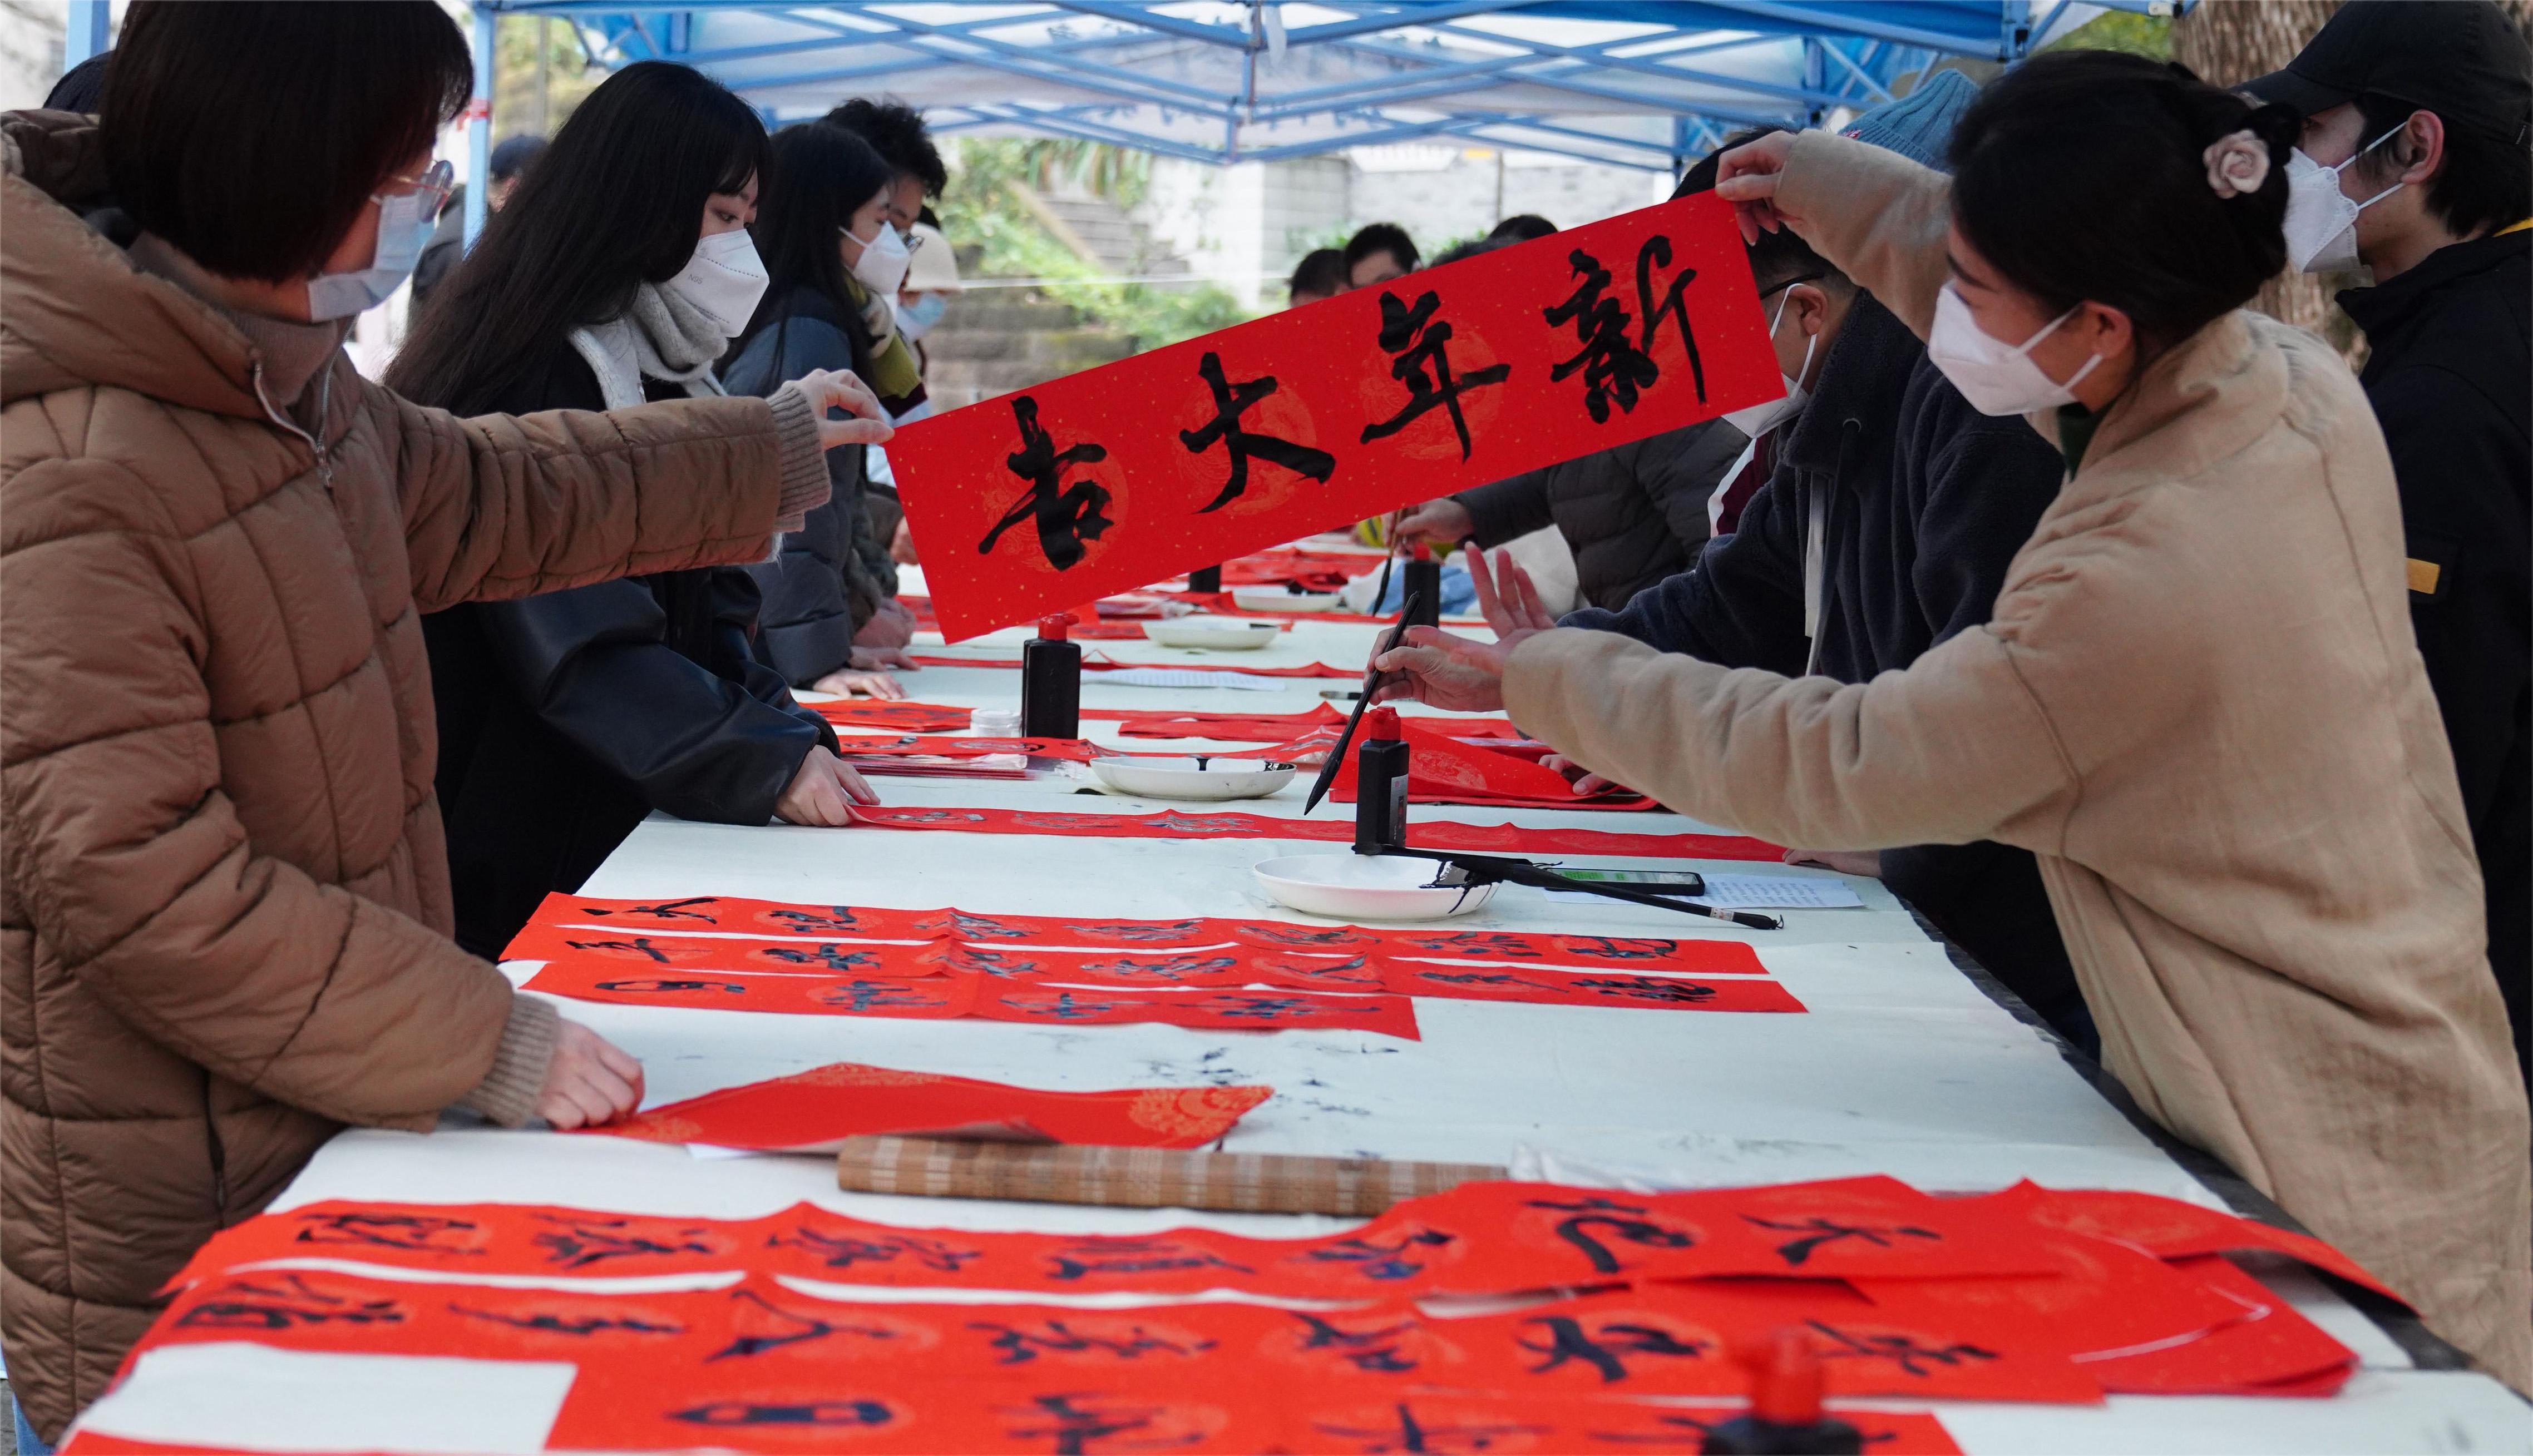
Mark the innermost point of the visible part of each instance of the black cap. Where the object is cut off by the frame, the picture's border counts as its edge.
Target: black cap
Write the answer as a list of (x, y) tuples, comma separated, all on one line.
[(2462, 59), (513, 156)]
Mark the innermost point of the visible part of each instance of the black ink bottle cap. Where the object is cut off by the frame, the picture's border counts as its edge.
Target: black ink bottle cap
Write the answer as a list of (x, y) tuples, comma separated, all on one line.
[(1055, 626), (1381, 724), (1786, 1417)]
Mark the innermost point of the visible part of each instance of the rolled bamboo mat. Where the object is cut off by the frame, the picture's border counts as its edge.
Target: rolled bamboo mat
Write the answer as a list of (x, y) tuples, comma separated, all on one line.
[(1141, 1176)]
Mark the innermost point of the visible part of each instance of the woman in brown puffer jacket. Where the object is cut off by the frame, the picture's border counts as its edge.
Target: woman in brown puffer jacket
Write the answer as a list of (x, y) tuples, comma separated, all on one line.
[(224, 904)]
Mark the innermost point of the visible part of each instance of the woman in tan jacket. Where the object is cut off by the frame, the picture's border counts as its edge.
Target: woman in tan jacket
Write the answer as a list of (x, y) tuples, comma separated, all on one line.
[(2198, 701), (225, 906)]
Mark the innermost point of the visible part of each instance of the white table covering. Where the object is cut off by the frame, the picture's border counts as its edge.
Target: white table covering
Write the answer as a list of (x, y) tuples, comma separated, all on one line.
[(1902, 1066)]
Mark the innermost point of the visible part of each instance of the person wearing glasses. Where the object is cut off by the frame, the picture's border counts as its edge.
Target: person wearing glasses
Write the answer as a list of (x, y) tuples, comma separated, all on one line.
[(225, 915), (832, 622), (621, 272)]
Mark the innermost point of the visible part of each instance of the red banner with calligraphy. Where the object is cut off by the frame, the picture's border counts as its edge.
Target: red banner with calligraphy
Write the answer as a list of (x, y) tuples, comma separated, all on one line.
[(1374, 399)]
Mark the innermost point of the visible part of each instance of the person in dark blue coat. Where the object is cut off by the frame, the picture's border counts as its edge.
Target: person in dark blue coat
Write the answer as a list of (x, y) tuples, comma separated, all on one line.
[(618, 274), (830, 591)]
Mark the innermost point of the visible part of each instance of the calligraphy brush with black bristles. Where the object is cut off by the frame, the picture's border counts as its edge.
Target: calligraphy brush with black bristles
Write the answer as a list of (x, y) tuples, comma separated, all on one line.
[(1370, 683)]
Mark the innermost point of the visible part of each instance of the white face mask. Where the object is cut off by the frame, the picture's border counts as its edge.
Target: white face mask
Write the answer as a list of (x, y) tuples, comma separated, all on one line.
[(724, 281), (2322, 220), (882, 266), (915, 320), (404, 225), (1995, 377), (1758, 419)]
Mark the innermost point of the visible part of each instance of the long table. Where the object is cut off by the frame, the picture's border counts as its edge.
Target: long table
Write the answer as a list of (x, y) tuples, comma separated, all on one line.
[(1903, 1065)]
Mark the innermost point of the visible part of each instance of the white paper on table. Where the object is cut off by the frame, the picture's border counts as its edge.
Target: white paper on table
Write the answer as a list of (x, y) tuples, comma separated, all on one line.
[(1185, 677), (1763, 891)]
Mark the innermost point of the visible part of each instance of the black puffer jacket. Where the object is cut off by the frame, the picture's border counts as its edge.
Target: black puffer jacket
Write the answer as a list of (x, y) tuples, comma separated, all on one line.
[(1631, 515), (1927, 502), (833, 572), (567, 718), (2451, 377)]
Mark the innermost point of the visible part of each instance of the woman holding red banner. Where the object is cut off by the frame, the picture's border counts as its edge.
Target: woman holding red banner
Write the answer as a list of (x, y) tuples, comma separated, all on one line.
[(2199, 702)]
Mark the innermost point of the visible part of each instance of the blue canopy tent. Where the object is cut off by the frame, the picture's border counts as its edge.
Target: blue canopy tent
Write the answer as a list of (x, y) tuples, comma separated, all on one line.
[(1628, 82)]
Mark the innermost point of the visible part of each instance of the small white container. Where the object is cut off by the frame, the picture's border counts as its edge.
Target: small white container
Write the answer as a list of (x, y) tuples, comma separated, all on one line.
[(995, 723), (1367, 887)]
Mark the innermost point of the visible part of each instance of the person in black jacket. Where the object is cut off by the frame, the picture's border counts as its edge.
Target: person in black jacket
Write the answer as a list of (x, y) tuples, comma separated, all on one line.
[(821, 589), (509, 163), (618, 274), (2418, 117)]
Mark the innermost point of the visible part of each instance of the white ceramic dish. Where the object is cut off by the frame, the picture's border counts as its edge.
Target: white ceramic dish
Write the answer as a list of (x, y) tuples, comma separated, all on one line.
[(1367, 887), (1204, 776), (1221, 634), (1277, 599)]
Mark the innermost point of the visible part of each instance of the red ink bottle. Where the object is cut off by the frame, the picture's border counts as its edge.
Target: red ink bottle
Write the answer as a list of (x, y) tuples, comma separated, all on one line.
[(1051, 681), (1381, 784), (1424, 587), (1786, 1418)]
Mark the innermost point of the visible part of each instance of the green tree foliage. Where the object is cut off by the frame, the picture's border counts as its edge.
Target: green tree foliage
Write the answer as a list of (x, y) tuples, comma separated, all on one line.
[(2149, 36)]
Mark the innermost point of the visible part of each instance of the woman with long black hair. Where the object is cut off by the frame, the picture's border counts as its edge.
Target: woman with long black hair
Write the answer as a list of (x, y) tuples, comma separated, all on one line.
[(830, 619), (618, 273)]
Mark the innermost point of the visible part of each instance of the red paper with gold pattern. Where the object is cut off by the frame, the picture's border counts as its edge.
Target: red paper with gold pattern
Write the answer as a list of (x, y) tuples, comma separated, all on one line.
[(816, 1109)]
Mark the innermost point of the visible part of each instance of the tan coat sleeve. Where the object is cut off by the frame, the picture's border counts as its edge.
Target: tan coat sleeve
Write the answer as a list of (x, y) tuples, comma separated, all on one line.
[(503, 506), (1881, 217), (132, 861), (1951, 750)]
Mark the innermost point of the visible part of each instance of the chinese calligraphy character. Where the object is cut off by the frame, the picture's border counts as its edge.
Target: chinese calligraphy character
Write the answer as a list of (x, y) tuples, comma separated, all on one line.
[(1657, 251), (844, 1250), (1607, 1350), (784, 1327), (418, 1233), (837, 920), (1604, 947), (1230, 402), (667, 909), (1477, 945), (285, 1303), (639, 947), (1375, 1260), (1410, 1434), (1423, 362), (1074, 1425), (1134, 1257), (581, 1242), (1057, 1336), (659, 987), (1903, 1351), (1646, 988), (1374, 1352), (858, 996), (832, 957), (810, 1413), (1607, 1214), (1065, 518), (580, 1328), (1613, 365), (1820, 1231)]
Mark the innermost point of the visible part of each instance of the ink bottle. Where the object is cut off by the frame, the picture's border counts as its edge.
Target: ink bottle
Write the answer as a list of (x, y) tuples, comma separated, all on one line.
[(1786, 1418), (1205, 580), (1424, 586), (1379, 784), (1051, 681)]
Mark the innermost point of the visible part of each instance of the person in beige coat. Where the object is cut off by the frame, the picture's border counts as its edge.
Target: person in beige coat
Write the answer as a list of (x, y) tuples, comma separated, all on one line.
[(224, 899), (2199, 702)]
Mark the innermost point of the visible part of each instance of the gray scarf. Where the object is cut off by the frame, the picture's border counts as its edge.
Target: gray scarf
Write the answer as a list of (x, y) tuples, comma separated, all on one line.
[(662, 338)]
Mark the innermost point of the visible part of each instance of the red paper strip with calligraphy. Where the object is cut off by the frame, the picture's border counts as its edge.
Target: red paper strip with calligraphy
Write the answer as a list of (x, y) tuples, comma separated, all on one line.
[(1202, 451), (1429, 834)]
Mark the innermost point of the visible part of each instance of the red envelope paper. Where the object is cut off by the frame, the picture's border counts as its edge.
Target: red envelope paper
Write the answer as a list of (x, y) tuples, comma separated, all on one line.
[(1441, 769), (1640, 992), (814, 1110)]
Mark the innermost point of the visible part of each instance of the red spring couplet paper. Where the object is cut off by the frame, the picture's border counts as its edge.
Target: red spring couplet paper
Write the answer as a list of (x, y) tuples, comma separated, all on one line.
[(899, 717), (563, 922), (1441, 770), (1193, 454), (1101, 664), (764, 1365), (1478, 1239), (944, 997), (2173, 1229), (1607, 988), (816, 1109), (1429, 834)]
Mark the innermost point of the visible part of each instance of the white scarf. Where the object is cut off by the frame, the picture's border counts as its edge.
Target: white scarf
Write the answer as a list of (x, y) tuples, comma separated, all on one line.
[(660, 337)]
